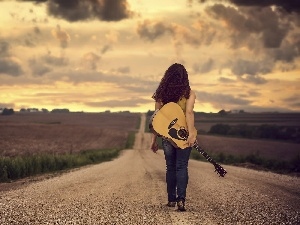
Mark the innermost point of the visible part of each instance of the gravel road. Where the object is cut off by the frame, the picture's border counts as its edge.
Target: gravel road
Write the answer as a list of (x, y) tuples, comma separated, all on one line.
[(132, 190)]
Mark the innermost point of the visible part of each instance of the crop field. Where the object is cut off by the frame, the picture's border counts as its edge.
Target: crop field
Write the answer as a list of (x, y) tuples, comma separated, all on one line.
[(204, 121), (270, 149), (27, 134), (267, 149), (32, 133)]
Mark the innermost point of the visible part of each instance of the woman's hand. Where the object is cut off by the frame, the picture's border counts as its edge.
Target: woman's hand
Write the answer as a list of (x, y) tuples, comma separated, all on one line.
[(191, 140), (154, 146)]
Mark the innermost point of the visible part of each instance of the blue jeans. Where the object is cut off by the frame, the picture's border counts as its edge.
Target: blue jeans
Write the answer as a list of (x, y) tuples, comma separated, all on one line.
[(176, 171)]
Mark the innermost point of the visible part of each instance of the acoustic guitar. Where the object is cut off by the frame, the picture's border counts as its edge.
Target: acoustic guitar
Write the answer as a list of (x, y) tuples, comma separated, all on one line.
[(169, 122)]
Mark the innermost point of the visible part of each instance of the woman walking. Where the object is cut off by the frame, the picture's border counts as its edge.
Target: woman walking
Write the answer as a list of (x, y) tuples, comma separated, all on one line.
[(175, 87)]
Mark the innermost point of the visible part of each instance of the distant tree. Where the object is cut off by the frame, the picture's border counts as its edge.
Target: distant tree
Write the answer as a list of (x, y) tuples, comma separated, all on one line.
[(22, 110), (33, 110), (60, 111), (45, 110), (269, 131), (222, 112), (219, 129), (8, 112)]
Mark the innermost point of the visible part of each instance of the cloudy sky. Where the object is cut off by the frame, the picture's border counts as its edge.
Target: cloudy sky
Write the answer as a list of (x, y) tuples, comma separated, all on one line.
[(97, 55)]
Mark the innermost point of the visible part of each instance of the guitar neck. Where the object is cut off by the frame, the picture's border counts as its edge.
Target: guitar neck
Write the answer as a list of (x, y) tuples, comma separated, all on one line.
[(202, 152)]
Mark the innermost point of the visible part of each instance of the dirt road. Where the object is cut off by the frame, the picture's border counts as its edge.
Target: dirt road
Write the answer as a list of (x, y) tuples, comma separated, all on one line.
[(132, 190)]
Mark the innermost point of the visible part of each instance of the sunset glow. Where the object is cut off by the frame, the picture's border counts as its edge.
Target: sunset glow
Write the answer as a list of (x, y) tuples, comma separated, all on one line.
[(94, 56)]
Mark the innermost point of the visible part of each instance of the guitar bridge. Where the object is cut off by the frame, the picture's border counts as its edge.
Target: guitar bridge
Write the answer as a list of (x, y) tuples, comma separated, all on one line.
[(172, 123)]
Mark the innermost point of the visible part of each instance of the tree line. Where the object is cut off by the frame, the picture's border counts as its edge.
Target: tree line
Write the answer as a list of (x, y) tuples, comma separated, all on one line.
[(265, 131), (11, 111), (7, 111)]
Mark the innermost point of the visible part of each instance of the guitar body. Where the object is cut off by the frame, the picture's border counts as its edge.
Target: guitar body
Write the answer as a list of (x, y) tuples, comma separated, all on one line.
[(170, 123)]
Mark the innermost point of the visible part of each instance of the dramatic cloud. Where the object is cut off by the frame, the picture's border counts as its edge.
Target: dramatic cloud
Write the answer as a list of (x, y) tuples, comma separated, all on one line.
[(269, 36), (239, 54), (90, 61), (246, 22), (46, 63), (124, 69), (205, 67), (198, 34), (289, 6), (9, 64), (105, 48), (242, 67), (37, 68), (152, 30), (261, 34), (253, 79), (221, 100), (62, 36), (226, 80), (78, 10), (4, 48), (293, 101), (288, 51), (53, 60)]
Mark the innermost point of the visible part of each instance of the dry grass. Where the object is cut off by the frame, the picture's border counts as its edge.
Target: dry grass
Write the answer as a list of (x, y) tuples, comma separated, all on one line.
[(31, 133)]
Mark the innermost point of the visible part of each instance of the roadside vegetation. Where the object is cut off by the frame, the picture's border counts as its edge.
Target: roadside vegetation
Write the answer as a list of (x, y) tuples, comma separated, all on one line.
[(130, 140), (42, 143), (12, 168), (254, 161)]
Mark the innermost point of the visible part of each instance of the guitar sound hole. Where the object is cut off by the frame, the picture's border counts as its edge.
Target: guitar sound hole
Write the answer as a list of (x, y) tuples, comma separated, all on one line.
[(182, 133)]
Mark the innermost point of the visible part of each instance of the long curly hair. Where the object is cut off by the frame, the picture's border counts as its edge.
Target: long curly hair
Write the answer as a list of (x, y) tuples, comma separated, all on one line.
[(173, 86)]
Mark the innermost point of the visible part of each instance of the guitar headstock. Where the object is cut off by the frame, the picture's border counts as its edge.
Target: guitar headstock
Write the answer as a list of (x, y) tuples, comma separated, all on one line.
[(220, 170)]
